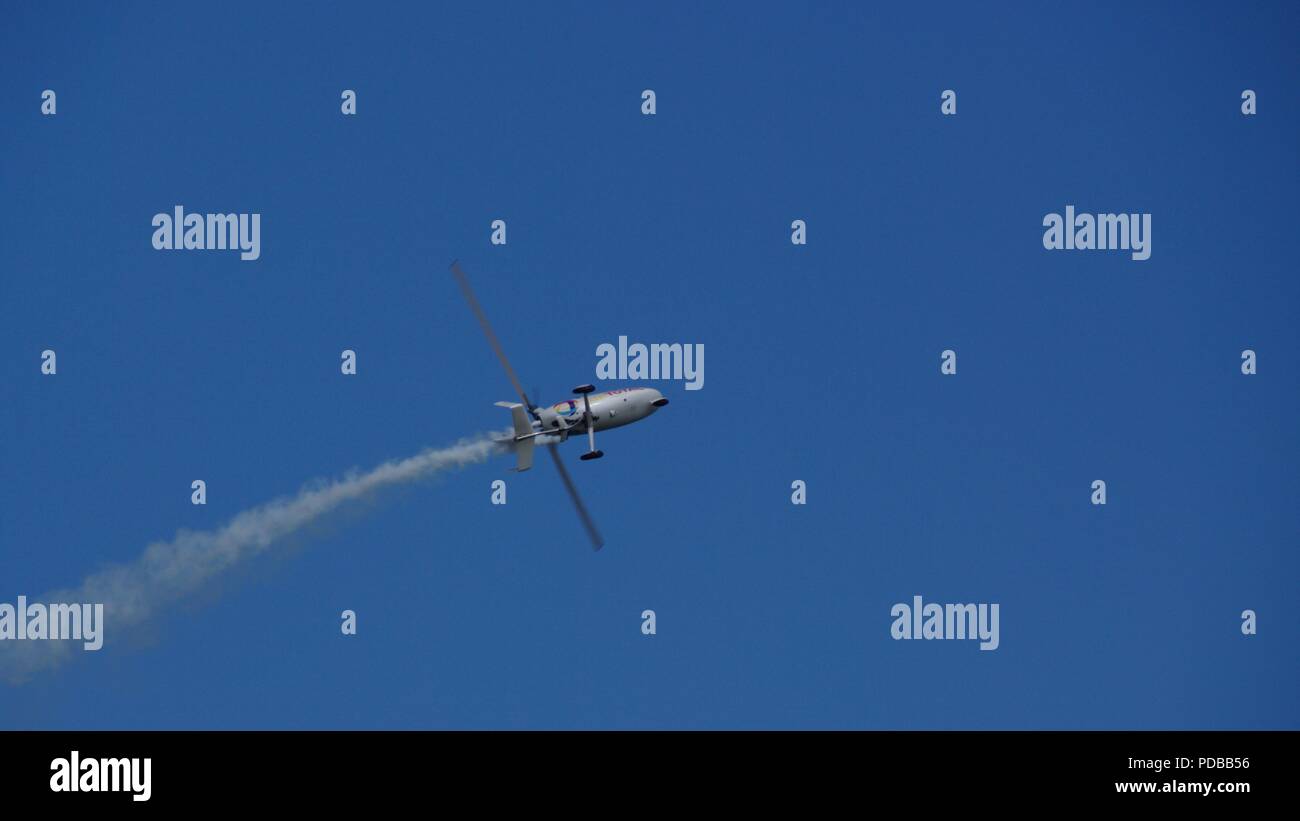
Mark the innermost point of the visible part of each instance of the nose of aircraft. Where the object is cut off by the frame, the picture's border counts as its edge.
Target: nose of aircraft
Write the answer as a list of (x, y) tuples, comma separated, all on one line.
[(657, 399)]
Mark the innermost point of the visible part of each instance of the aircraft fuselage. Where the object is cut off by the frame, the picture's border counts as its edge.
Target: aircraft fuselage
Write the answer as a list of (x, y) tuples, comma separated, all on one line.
[(609, 409)]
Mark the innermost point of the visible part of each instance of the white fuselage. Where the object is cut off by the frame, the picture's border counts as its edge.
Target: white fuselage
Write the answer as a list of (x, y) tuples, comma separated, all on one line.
[(610, 409)]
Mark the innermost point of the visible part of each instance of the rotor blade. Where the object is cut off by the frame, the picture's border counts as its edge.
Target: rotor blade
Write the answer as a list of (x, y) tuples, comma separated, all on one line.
[(596, 542), (487, 330)]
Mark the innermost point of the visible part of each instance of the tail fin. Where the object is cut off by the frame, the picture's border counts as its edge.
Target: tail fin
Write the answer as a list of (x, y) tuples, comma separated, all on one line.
[(523, 435), (523, 454)]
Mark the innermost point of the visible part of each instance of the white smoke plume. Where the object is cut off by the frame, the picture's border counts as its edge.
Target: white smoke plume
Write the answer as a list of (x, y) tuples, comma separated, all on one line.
[(167, 572)]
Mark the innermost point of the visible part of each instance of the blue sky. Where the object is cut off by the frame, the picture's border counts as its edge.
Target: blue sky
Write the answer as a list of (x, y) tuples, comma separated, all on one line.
[(822, 361)]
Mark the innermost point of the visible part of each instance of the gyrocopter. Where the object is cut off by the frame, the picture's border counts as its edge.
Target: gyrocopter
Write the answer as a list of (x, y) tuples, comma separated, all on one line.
[(588, 413)]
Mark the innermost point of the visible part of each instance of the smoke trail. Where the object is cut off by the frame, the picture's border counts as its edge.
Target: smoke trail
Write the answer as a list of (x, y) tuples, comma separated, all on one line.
[(169, 571)]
